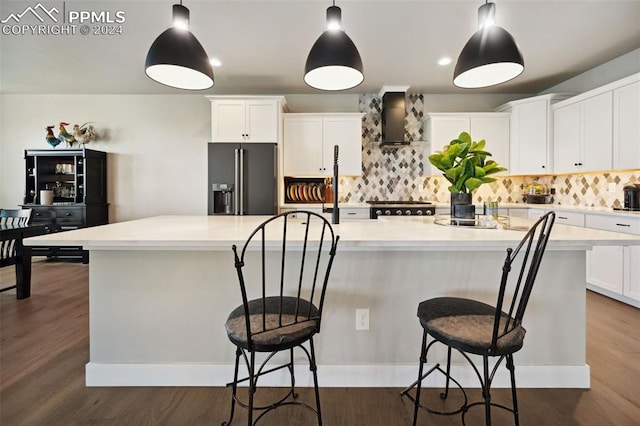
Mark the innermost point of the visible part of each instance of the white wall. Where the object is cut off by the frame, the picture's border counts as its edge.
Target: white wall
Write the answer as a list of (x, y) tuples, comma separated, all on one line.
[(156, 144)]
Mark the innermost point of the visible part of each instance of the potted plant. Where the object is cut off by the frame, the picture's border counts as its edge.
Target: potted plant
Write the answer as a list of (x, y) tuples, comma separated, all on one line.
[(464, 164)]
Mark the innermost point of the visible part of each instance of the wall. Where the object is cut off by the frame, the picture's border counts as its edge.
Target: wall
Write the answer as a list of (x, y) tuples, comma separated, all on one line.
[(156, 145), (608, 72)]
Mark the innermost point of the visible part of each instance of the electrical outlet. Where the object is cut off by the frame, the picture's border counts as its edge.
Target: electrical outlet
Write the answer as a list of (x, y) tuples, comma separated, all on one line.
[(362, 319)]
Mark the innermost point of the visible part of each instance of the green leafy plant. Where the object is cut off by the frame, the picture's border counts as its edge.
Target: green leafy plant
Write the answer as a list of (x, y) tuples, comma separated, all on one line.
[(464, 163)]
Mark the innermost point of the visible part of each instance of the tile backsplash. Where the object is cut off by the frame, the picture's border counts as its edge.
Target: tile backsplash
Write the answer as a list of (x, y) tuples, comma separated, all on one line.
[(403, 173)]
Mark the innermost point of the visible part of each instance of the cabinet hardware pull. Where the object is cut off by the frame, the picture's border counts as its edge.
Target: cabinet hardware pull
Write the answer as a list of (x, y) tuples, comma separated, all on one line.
[(543, 167), (623, 224), (350, 213), (562, 217)]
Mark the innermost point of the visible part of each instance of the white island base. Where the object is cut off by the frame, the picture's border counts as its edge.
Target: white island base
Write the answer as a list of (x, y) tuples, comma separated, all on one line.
[(161, 290)]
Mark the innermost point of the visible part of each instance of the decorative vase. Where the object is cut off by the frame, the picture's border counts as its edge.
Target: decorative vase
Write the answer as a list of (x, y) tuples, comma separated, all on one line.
[(460, 198), (463, 212)]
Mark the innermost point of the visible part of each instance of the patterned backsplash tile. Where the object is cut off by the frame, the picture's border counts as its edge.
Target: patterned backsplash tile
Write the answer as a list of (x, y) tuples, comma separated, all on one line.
[(402, 173)]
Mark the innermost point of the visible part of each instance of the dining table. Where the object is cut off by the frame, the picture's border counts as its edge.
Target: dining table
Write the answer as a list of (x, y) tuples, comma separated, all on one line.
[(21, 256)]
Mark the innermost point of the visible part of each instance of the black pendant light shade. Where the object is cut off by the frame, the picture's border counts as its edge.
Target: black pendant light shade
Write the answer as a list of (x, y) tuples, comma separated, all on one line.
[(177, 59), (490, 57), (334, 62)]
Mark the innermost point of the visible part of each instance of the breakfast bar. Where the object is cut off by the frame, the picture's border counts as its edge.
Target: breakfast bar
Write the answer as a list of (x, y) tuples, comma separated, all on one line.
[(161, 289)]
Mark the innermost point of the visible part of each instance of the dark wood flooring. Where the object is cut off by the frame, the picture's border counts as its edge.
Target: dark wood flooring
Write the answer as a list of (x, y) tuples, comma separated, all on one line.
[(44, 347)]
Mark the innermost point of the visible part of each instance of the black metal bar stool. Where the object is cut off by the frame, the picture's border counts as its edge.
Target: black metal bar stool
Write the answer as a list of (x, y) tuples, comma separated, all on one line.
[(282, 301), (473, 327)]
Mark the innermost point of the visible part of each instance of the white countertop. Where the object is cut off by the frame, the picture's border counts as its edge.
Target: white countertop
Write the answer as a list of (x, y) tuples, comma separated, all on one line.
[(402, 233)]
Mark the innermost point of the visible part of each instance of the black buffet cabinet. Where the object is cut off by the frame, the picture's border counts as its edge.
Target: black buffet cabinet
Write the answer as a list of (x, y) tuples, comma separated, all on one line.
[(73, 184)]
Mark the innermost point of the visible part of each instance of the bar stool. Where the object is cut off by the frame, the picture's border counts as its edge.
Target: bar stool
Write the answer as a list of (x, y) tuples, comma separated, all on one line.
[(473, 327), (282, 301)]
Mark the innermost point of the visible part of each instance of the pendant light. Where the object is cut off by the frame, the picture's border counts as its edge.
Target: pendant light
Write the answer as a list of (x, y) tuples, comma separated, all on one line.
[(333, 62), (177, 59), (491, 55)]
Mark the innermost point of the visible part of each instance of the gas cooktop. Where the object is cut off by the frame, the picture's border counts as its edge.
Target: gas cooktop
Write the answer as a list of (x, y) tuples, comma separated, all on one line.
[(399, 203), (400, 208)]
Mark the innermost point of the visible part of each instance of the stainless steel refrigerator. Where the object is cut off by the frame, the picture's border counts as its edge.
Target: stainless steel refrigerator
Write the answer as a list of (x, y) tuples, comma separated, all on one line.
[(242, 178)]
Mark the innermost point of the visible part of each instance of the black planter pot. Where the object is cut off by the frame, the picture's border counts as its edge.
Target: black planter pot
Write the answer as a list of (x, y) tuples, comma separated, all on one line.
[(460, 198)]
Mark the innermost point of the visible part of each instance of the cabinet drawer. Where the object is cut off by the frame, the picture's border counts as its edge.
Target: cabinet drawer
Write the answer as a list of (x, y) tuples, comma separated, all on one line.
[(570, 218), (354, 213), (628, 225), (41, 215), (70, 217)]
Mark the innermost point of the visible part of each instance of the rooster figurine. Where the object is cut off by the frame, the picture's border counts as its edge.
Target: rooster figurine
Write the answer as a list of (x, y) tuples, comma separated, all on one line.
[(66, 136), (50, 138), (84, 134)]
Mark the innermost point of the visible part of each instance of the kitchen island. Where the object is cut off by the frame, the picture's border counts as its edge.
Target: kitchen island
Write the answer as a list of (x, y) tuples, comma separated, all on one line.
[(161, 289)]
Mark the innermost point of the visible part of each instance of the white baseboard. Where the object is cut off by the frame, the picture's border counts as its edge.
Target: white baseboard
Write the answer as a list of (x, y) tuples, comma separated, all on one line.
[(400, 375)]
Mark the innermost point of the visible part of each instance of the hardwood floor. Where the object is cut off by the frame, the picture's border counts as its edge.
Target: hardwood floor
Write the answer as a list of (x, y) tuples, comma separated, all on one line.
[(44, 347)]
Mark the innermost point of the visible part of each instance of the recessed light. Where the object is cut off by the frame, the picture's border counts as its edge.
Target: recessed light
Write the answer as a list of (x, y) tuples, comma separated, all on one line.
[(215, 62), (444, 61)]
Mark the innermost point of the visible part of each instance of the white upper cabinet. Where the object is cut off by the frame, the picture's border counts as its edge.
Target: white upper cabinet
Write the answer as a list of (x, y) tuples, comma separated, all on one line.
[(250, 119), (309, 141), (302, 151), (583, 134), (626, 127), (442, 128), (531, 134)]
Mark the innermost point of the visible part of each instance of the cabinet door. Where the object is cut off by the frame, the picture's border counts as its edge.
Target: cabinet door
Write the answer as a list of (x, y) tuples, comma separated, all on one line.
[(228, 120), (346, 132), (566, 139), (597, 133), (626, 127), (528, 142), (302, 152), (632, 272), (605, 267), (261, 121), (444, 129), (495, 130)]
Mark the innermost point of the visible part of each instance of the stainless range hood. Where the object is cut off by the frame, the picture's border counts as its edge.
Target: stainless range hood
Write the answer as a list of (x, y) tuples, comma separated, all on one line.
[(393, 116)]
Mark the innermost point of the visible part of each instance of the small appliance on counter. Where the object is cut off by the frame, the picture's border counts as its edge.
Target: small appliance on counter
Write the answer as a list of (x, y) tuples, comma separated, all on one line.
[(632, 197), (537, 193)]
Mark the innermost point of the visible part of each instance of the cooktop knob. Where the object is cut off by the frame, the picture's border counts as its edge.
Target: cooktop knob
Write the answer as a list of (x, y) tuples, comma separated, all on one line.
[(378, 212), (398, 212), (407, 212), (429, 213), (419, 212), (387, 212)]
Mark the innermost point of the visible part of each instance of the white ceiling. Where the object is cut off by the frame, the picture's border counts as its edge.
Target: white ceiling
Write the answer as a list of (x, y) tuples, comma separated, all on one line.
[(263, 44)]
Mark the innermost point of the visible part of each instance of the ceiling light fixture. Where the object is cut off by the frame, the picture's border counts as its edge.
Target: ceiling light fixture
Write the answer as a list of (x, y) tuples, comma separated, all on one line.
[(177, 59), (491, 55), (333, 62), (444, 61)]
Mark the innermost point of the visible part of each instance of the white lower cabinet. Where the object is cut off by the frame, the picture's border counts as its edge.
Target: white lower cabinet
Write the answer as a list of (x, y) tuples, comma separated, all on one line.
[(615, 270), (523, 213)]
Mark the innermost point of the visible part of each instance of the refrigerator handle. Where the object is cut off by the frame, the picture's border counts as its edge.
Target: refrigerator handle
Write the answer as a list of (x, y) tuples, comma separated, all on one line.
[(241, 150), (236, 189)]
